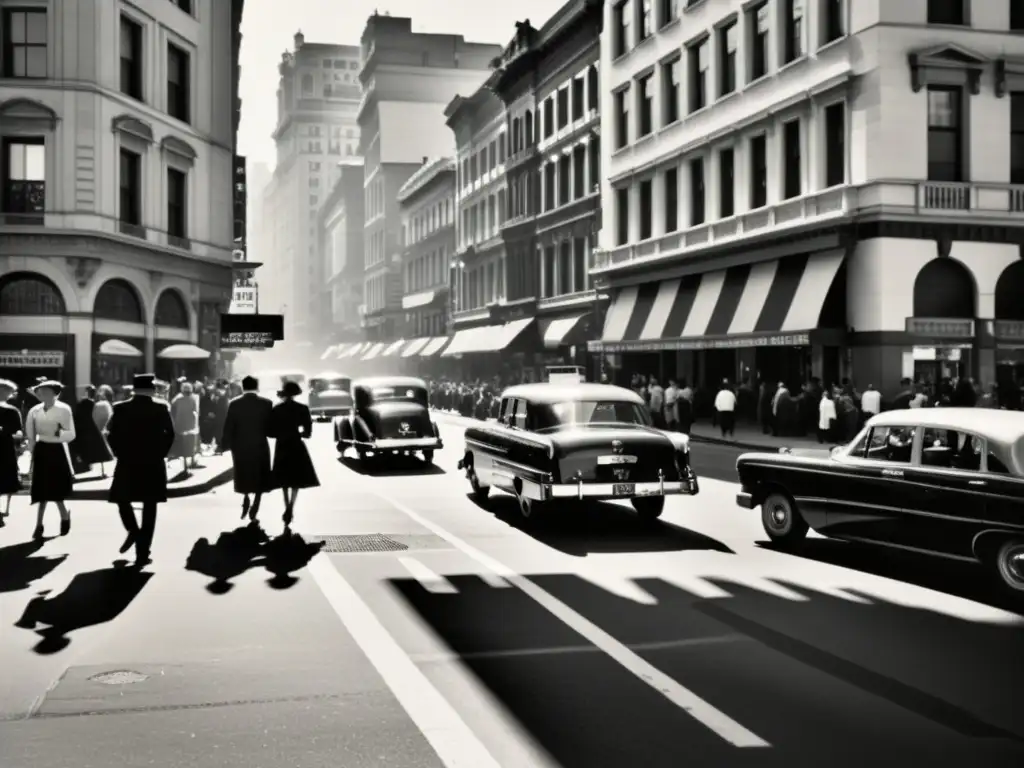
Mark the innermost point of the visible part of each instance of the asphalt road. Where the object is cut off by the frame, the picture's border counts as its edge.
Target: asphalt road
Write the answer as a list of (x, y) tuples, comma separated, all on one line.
[(410, 627)]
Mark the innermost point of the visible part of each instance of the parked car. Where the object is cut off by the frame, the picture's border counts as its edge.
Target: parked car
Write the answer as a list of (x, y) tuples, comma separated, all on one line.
[(389, 417), (577, 441), (330, 395), (939, 481)]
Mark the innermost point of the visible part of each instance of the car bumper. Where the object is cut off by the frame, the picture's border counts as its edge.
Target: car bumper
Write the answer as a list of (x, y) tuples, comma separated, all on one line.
[(607, 490), (745, 500), (328, 411), (399, 444)]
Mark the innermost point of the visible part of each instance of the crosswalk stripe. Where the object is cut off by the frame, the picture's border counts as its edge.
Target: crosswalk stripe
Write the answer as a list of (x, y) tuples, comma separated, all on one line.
[(430, 581)]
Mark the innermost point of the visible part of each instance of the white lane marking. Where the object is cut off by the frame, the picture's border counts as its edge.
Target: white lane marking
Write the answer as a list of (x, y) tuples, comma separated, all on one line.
[(702, 711), (454, 742), (434, 583)]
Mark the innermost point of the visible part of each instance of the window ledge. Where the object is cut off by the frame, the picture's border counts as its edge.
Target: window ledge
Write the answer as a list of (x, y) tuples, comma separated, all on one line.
[(831, 44), (726, 97), (801, 59), (693, 6), (669, 25)]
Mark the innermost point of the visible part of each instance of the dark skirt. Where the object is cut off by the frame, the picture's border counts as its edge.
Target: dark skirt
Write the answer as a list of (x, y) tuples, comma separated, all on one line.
[(293, 467), (10, 480), (51, 472)]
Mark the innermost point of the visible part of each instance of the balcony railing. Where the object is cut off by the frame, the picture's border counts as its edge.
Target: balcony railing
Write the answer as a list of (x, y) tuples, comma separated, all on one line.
[(562, 301)]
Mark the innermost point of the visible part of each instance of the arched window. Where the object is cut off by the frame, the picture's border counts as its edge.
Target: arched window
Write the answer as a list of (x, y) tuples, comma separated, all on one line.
[(944, 288), (171, 311), (1010, 293), (118, 300), (26, 293)]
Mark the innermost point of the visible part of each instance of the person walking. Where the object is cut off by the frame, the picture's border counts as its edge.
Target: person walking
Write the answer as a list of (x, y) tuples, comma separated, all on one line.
[(185, 415), (290, 425), (725, 408), (141, 434), (246, 436), (11, 435), (827, 417), (50, 428), (89, 447)]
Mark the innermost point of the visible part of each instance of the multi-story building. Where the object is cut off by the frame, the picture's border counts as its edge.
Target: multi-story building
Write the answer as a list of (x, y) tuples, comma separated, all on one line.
[(427, 207), (96, 278), (408, 78), (548, 85), (814, 189), (318, 98), (340, 225)]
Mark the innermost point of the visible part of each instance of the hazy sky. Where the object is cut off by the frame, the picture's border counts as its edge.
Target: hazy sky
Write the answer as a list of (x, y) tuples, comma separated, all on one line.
[(268, 27)]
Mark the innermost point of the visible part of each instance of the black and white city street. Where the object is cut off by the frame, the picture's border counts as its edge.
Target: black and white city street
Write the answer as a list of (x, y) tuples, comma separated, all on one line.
[(403, 625)]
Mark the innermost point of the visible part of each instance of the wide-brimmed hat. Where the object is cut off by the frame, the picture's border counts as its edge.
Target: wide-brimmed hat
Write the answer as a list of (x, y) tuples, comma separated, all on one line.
[(290, 389), (8, 384), (56, 386)]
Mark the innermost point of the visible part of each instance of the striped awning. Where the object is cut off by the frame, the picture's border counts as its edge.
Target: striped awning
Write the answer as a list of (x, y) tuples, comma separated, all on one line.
[(374, 351), (769, 304), (392, 348), (486, 338), (435, 345), (331, 351), (415, 346), (355, 349), (558, 331), (339, 350)]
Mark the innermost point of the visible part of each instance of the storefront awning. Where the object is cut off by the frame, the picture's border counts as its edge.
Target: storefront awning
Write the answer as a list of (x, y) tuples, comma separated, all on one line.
[(374, 351), (417, 300), (487, 338), (392, 349), (331, 351), (434, 346), (415, 346), (770, 304), (353, 350), (558, 331)]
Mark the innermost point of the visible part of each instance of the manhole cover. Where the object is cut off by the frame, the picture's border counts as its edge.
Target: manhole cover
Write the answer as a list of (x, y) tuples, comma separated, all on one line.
[(372, 542), (119, 677)]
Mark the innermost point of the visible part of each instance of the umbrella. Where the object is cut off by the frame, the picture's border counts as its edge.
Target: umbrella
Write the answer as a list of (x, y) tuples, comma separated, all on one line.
[(119, 348), (183, 352)]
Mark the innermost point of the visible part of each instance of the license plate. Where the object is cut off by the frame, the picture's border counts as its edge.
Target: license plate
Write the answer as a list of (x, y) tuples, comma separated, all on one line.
[(623, 489), (616, 459)]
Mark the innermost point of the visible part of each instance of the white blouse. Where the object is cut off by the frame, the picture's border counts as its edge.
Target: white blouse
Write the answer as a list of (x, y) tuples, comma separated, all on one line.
[(41, 424)]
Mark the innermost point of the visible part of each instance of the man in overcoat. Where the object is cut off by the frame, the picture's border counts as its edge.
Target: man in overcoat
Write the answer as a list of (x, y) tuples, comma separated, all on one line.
[(245, 435), (140, 435)]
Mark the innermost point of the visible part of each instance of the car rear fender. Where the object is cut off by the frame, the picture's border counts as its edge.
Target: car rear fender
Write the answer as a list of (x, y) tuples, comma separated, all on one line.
[(985, 544)]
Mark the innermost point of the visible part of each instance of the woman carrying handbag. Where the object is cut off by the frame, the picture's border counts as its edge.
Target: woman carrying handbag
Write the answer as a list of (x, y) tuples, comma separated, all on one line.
[(50, 427)]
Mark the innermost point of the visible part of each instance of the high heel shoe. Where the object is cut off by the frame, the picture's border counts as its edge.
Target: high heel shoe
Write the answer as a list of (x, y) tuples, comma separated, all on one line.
[(37, 534), (65, 525)]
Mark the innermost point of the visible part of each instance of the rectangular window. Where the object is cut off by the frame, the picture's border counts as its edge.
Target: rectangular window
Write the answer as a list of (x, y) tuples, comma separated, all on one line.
[(645, 105), (698, 75), (697, 192), (945, 134), (549, 117), (1016, 16), (178, 84), (579, 172), (668, 11), (24, 38), (758, 172), (758, 19), (670, 87), (563, 108), (131, 58), (177, 203), (835, 144), (186, 6), (646, 25), (131, 188), (726, 183), (549, 186), (947, 12), (621, 118), (646, 212), (593, 89), (792, 160), (728, 40), (671, 181), (578, 94), (831, 20), (621, 17), (794, 30), (564, 180), (594, 158), (622, 216), (24, 175), (1017, 138)]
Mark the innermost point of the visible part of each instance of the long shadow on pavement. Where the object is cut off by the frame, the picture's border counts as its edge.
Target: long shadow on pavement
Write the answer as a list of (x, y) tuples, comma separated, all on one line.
[(247, 547), (579, 529), (403, 466), (91, 599), (822, 679), (20, 565)]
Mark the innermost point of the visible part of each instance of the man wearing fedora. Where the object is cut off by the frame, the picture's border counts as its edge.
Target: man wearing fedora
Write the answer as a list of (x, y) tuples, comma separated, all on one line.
[(140, 434), (246, 437)]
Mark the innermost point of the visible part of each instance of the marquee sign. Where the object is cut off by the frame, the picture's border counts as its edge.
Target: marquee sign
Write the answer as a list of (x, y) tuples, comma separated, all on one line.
[(28, 358)]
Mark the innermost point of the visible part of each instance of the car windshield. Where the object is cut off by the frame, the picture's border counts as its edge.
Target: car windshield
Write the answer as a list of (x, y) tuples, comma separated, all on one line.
[(330, 385), (603, 412), (398, 394)]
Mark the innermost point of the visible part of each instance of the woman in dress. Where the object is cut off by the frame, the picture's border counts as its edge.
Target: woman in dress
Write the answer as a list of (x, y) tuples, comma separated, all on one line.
[(185, 414), (50, 427), (290, 425), (11, 434), (89, 447)]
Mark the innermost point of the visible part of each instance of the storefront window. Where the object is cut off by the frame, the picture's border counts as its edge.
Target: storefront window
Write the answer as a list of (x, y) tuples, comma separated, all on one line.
[(171, 311), (933, 364), (22, 294), (117, 300)]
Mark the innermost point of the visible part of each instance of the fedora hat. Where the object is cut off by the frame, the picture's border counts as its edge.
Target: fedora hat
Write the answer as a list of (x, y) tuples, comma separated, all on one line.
[(290, 389)]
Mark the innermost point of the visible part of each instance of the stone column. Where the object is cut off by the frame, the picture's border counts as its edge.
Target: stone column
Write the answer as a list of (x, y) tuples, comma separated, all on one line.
[(80, 329)]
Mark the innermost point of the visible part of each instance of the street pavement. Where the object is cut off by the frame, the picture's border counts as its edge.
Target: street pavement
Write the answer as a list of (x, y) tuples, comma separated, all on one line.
[(406, 626)]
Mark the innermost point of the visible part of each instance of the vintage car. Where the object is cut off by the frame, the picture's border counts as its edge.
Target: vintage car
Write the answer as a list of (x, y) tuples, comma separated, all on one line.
[(938, 481), (576, 441), (389, 417), (330, 395)]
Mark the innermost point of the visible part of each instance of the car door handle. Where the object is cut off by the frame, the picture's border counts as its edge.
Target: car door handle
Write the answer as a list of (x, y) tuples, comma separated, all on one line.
[(977, 482)]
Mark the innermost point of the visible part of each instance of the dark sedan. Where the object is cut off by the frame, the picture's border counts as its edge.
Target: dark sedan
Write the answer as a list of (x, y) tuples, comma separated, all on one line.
[(939, 481), (577, 441), (389, 417)]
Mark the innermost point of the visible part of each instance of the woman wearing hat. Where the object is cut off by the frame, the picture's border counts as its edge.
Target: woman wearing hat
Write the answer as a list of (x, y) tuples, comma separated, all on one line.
[(11, 434), (50, 427), (290, 425)]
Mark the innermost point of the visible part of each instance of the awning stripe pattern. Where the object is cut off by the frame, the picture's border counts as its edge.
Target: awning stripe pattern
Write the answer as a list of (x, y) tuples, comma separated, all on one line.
[(415, 346), (558, 329), (487, 338), (392, 349), (358, 348), (785, 296), (329, 352), (374, 351), (434, 346)]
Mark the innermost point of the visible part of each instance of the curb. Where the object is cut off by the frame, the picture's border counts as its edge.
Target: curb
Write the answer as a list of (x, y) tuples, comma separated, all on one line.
[(173, 491), (760, 447)]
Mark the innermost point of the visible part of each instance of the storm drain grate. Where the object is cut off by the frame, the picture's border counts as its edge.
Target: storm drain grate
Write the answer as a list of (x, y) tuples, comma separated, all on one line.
[(119, 677), (371, 542)]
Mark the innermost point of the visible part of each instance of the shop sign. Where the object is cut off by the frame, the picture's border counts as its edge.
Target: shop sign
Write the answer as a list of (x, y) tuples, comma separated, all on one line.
[(1012, 330), (243, 301), (31, 359), (247, 340), (725, 342), (940, 327)]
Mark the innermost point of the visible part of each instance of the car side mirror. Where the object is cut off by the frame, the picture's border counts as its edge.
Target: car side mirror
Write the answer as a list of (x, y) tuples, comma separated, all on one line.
[(835, 450)]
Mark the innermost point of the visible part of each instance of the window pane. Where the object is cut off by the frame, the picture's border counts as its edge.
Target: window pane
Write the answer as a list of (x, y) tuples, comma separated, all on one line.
[(943, 146), (17, 28), (702, 57), (35, 162), (732, 38), (35, 62), (35, 28), (943, 109)]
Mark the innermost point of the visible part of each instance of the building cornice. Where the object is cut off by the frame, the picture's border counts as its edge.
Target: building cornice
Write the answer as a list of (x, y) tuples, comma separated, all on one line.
[(421, 179)]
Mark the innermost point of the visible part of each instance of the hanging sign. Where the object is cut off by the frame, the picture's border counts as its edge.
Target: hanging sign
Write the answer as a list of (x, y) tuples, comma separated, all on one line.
[(28, 358)]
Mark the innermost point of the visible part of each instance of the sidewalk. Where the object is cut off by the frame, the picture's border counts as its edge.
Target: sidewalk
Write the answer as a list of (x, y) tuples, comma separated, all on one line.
[(748, 437), (211, 472)]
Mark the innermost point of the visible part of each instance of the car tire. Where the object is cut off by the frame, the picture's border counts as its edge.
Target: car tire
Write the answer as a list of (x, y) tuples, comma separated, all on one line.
[(782, 521), (1009, 562), (480, 493), (649, 508), (428, 456), (529, 509)]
